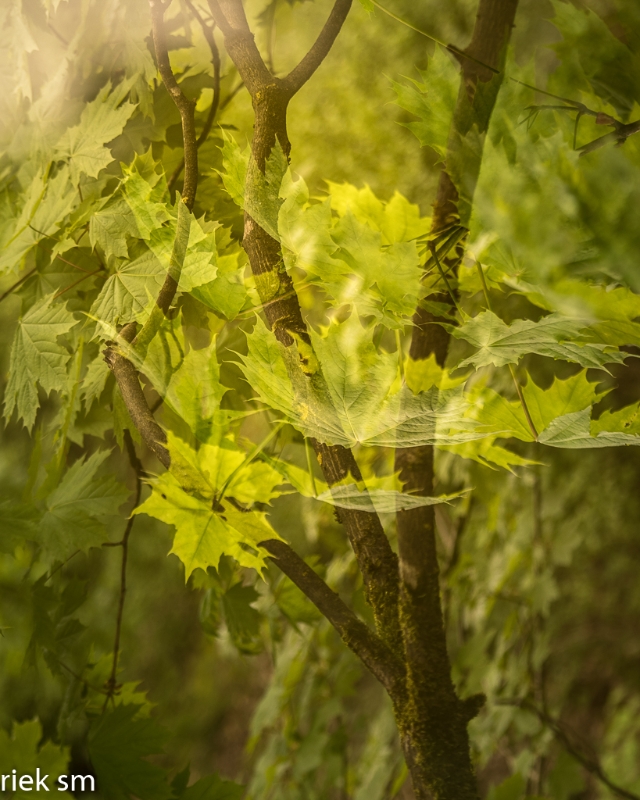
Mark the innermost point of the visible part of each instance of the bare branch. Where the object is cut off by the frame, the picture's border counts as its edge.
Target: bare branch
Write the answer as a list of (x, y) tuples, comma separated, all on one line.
[(618, 136), (241, 46), (128, 382), (111, 684), (185, 106), (374, 654), (320, 48), (592, 765), (215, 102)]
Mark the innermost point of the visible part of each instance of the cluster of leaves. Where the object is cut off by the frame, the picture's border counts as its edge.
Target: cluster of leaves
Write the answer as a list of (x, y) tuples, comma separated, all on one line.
[(543, 307)]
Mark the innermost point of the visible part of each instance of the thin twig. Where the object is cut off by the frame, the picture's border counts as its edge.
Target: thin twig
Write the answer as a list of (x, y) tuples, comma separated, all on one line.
[(450, 47), (60, 566), (75, 283), (591, 765), (111, 684), (215, 102), (619, 135), (75, 674), (17, 284)]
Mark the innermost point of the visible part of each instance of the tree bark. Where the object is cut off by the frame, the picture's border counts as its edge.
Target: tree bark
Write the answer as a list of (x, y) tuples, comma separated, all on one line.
[(433, 724)]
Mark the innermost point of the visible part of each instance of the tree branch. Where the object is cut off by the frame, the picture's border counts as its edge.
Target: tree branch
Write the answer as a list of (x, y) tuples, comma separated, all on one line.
[(592, 765), (320, 48), (374, 654), (241, 46), (438, 726), (185, 106), (125, 373), (215, 102), (377, 561)]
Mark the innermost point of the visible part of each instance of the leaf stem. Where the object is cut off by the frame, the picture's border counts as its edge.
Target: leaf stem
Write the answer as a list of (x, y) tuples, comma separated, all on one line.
[(450, 47), (17, 284), (307, 450), (516, 382), (249, 458)]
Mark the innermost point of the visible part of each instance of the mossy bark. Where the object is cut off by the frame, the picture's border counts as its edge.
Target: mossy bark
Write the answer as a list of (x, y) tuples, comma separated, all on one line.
[(405, 594)]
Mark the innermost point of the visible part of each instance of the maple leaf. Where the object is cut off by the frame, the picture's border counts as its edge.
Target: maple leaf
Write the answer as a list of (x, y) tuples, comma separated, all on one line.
[(193, 497), (73, 511), (130, 290), (358, 399), (20, 751), (119, 742), (37, 358), (553, 336), (102, 120)]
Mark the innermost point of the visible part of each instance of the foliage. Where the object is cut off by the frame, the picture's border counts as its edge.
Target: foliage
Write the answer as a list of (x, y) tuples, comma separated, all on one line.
[(542, 310)]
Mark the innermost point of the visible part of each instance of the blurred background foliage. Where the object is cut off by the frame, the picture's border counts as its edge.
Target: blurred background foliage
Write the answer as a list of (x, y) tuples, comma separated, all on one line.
[(540, 568)]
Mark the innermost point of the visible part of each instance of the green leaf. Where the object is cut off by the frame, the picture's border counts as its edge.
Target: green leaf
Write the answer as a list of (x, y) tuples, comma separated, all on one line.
[(37, 358), (145, 192), (369, 255), (256, 192), (383, 501), (359, 399), (73, 511), (94, 381), (118, 744), (20, 751), (393, 270), (204, 535), (130, 290), (512, 788), (566, 779), (110, 227), (213, 787), (562, 397), (243, 621), (48, 202), (208, 526), (200, 263), (573, 431), (432, 100), (194, 390), (294, 604), (18, 522), (553, 336), (626, 420), (398, 220), (102, 120)]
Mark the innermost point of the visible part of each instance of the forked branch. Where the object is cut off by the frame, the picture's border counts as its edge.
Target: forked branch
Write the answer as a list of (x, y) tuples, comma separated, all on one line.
[(372, 651), (207, 31), (298, 76)]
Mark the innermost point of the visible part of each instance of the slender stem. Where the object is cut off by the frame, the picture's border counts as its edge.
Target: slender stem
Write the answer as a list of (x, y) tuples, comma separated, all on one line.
[(75, 283), (112, 682), (249, 458), (61, 566), (514, 377), (17, 284), (215, 102), (307, 451), (523, 402)]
